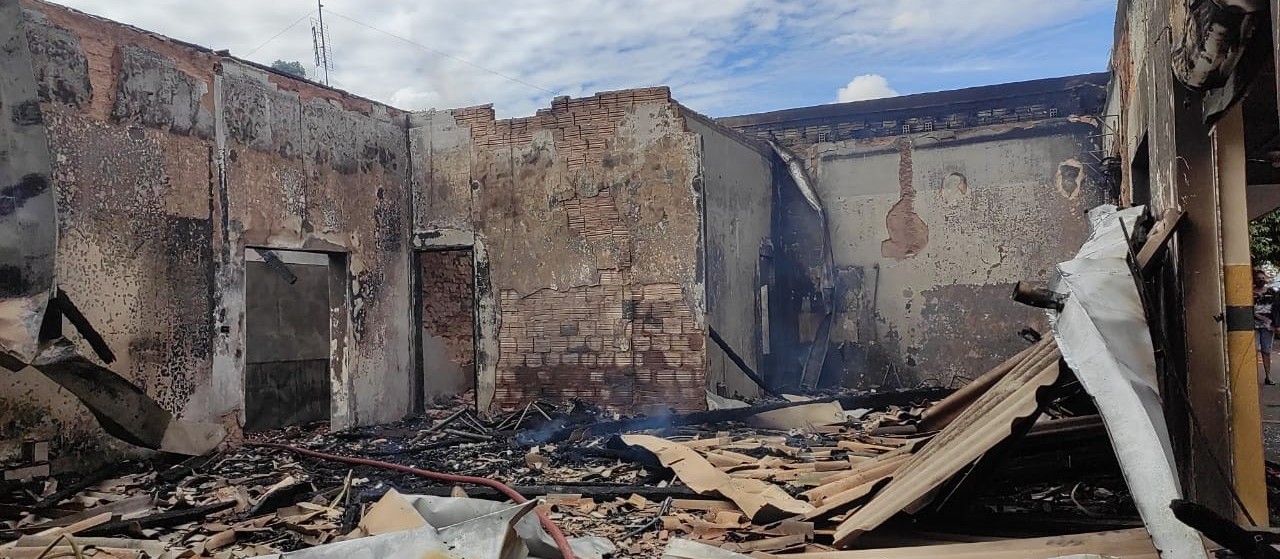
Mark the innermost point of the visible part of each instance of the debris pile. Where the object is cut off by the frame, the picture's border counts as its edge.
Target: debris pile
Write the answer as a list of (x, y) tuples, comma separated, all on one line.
[(803, 476)]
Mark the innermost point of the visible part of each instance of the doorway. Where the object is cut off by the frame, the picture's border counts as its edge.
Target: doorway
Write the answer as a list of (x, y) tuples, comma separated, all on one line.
[(447, 326), (287, 330)]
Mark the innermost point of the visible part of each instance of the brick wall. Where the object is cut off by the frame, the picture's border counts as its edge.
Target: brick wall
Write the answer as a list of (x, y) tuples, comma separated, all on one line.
[(448, 308), (582, 128), (614, 345), (589, 217)]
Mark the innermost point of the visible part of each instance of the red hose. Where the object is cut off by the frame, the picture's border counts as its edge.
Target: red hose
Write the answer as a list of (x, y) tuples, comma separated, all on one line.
[(550, 526)]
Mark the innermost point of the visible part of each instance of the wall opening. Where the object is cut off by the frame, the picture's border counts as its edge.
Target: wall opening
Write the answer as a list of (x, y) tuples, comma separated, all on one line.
[(446, 307), (288, 303), (1140, 175)]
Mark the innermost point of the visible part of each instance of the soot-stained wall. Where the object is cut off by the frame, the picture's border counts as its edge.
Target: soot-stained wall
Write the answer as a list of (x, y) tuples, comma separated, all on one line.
[(738, 182), (938, 203), (447, 296), (168, 161), (586, 222)]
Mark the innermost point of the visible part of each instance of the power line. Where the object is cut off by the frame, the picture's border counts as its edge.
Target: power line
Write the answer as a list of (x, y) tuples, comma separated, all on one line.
[(442, 53), (277, 35)]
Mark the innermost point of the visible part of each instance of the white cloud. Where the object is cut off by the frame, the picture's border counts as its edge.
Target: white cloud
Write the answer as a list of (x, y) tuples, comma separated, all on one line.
[(866, 86), (722, 57)]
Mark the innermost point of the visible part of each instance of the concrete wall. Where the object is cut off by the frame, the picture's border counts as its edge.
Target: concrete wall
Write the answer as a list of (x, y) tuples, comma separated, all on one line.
[(586, 222), (937, 204), (738, 182), (169, 160), (946, 226), (447, 297)]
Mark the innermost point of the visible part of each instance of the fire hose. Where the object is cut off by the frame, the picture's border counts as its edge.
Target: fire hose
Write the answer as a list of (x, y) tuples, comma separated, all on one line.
[(547, 524)]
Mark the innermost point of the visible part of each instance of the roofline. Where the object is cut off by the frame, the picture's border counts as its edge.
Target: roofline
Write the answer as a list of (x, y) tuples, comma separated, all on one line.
[(986, 94)]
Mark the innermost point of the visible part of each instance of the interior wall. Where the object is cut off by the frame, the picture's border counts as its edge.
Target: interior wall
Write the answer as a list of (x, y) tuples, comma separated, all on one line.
[(447, 295), (168, 161), (947, 225), (287, 341), (936, 204), (586, 218), (738, 182)]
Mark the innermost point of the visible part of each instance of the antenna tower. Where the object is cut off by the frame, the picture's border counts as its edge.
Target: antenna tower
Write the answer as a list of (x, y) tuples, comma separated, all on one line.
[(321, 45)]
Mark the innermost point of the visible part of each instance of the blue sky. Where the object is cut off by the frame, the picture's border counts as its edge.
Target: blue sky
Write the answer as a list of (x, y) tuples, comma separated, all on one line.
[(720, 57)]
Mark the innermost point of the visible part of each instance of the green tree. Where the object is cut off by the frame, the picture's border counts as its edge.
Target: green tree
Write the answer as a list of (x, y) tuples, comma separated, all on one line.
[(1264, 239), (290, 67)]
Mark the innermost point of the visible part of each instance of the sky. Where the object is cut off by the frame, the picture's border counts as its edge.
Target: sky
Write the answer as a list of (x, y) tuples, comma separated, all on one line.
[(720, 57)]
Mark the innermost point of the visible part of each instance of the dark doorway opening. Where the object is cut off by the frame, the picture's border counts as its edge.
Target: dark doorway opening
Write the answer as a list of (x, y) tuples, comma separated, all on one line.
[(447, 333), (287, 349)]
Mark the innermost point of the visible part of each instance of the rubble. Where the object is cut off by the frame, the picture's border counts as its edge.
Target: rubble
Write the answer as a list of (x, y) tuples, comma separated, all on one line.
[(735, 486)]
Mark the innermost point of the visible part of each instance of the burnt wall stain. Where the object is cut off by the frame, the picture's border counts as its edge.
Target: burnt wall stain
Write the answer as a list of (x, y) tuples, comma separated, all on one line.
[(27, 113), (60, 65), (981, 192), (143, 205), (154, 92), (908, 234), (131, 251), (970, 328)]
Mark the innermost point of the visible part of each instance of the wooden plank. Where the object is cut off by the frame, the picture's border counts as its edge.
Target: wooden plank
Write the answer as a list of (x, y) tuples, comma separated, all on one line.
[(846, 499), (1158, 239)]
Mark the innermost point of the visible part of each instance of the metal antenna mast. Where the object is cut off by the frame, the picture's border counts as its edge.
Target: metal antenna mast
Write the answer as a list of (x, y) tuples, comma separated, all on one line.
[(321, 44)]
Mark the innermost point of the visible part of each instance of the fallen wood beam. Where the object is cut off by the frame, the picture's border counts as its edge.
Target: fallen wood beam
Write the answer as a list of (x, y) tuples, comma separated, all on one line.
[(82, 325), (1037, 295), (1222, 531), (172, 517), (1158, 239), (737, 360), (866, 472), (847, 401)]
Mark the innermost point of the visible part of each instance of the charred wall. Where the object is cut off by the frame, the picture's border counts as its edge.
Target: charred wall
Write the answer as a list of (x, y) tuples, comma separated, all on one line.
[(447, 299), (168, 161), (938, 203), (586, 221), (738, 185)]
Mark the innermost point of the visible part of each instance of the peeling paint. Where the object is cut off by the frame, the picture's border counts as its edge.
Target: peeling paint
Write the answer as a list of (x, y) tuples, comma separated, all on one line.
[(908, 234)]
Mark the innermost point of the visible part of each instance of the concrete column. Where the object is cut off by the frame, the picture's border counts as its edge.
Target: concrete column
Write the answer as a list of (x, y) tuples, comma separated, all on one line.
[(1243, 407)]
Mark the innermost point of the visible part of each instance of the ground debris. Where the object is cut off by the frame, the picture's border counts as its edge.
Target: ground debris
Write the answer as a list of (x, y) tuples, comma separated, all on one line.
[(779, 484)]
